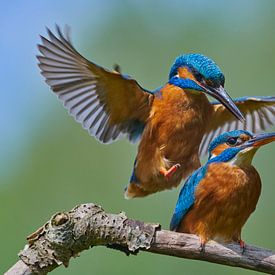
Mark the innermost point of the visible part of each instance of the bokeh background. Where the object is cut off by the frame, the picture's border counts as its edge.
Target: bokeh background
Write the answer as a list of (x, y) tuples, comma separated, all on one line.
[(49, 163)]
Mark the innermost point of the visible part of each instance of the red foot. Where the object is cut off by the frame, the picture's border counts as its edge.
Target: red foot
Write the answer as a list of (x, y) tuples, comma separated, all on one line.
[(170, 172), (242, 246)]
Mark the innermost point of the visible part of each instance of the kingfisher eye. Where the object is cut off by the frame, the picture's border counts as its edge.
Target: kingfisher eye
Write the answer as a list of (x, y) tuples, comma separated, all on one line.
[(210, 83), (232, 141), (199, 77)]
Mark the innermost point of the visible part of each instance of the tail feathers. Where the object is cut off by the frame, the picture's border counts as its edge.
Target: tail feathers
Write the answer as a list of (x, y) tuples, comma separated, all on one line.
[(134, 190), (175, 221)]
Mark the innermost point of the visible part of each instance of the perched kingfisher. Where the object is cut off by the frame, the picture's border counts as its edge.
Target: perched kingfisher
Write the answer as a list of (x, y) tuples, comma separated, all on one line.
[(217, 199), (170, 122)]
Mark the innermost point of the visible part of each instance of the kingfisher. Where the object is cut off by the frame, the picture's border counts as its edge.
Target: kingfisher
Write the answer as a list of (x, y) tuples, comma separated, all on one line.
[(218, 198), (170, 122)]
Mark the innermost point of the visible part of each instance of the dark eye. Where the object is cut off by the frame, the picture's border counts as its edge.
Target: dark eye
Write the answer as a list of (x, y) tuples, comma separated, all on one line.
[(232, 141), (199, 77), (210, 83)]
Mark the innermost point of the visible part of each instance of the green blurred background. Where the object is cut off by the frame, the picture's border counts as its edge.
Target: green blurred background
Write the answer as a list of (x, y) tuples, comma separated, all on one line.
[(49, 163)]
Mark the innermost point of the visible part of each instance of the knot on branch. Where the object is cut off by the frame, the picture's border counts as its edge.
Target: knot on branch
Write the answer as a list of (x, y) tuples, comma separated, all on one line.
[(86, 225)]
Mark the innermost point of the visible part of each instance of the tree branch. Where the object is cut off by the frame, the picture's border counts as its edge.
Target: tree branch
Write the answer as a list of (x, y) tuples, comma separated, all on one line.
[(66, 234)]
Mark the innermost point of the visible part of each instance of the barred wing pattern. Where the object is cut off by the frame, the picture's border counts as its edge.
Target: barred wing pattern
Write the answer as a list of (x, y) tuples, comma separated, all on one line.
[(108, 104), (259, 113)]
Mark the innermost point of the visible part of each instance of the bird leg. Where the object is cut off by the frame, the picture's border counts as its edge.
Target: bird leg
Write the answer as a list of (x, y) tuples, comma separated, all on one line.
[(202, 246), (170, 172)]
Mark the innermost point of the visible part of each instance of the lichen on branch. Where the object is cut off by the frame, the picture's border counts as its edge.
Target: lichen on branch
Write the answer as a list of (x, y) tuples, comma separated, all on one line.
[(66, 234)]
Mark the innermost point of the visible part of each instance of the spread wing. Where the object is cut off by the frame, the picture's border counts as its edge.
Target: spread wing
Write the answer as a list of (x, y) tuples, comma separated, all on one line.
[(259, 113), (108, 104), (186, 197)]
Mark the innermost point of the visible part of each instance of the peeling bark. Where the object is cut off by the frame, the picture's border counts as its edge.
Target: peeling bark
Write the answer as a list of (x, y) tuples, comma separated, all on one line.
[(66, 234)]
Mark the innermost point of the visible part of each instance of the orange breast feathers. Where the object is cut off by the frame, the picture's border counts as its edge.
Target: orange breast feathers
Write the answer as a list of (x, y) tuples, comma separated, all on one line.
[(173, 132), (175, 110), (224, 200)]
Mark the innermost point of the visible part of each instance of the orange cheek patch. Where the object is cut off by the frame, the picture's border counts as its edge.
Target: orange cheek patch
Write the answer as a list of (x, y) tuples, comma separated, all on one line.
[(219, 149), (245, 137), (185, 73)]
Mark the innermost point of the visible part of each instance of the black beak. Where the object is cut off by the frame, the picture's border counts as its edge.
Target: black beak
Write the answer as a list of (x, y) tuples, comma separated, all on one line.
[(260, 139), (222, 96)]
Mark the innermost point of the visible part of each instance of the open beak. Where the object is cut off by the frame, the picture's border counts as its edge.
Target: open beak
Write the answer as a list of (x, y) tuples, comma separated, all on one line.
[(222, 96), (260, 139)]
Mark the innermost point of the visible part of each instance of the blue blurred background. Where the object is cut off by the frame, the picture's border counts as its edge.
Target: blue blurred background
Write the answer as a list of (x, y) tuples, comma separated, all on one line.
[(49, 163)]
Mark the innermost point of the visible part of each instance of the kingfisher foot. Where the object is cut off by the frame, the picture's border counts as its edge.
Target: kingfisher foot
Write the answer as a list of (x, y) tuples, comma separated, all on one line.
[(170, 172), (242, 246), (202, 247)]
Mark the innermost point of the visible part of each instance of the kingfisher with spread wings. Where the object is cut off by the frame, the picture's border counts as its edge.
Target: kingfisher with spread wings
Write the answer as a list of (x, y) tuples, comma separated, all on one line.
[(170, 122)]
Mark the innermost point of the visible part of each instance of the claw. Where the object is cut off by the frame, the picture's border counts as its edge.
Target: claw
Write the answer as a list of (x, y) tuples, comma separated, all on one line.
[(202, 247), (242, 246), (170, 172)]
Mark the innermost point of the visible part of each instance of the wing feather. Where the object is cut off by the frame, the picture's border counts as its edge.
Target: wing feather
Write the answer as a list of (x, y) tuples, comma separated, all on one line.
[(187, 197), (108, 104), (259, 113)]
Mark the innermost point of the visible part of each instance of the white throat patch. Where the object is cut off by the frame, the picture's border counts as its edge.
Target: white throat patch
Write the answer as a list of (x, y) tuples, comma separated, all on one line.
[(244, 157)]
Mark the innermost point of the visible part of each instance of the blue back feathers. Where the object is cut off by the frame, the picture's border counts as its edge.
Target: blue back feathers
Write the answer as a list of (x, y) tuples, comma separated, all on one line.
[(187, 196), (200, 63)]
